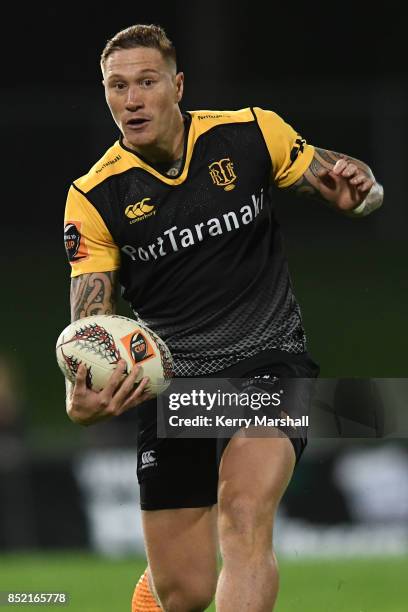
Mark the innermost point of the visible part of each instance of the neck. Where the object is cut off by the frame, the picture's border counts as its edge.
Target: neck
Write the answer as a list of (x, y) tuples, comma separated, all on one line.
[(170, 147)]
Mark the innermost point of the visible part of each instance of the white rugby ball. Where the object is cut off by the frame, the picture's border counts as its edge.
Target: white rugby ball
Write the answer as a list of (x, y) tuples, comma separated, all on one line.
[(101, 341)]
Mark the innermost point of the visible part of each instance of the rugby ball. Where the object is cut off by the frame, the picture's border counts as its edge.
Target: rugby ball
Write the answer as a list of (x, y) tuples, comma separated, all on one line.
[(101, 341)]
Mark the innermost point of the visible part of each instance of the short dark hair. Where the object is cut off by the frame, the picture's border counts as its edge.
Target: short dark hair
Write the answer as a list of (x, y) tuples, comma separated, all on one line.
[(151, 36)]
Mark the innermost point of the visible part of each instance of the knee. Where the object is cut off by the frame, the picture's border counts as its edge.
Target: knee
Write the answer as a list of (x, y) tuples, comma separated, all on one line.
[(245, 523), (193, 595)]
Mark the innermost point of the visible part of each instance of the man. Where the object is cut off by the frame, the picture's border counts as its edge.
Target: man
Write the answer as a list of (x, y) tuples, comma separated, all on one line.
[(178, 212)]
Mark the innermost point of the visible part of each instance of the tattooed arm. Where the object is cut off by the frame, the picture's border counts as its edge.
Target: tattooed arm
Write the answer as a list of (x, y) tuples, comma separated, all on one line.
[(93, 294), (344, 183)]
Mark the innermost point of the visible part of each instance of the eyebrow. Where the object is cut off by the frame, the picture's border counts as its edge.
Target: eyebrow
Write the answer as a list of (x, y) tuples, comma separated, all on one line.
[(144, 71)]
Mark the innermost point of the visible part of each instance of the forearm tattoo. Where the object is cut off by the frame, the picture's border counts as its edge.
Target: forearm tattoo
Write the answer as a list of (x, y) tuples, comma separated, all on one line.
[(93, 294), (306, 186)]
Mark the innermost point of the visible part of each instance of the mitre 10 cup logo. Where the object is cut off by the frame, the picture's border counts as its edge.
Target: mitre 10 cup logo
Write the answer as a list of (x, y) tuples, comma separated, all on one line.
[(75, 244), (138, 347), (222, 173)]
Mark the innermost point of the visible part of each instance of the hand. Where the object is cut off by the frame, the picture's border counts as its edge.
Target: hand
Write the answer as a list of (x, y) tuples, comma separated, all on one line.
[(86, 406), (346, 184)]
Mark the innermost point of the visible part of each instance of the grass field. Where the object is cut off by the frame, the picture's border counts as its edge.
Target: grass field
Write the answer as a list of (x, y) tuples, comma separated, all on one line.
[(100, 585)]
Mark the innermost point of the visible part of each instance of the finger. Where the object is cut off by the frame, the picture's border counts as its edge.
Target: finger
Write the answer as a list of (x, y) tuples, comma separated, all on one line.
[(138, 396), (134, 377), (339, 166), (116, 378), (80, 379), (328, 179), (366, 186), (133, 402), (133, 398), (326, 176), (143, 385), (350, 170), (358, 180), (129, 385), (138, 392), (323, 172)]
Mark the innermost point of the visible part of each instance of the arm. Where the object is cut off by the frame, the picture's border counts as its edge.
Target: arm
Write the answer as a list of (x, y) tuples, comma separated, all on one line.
[(93, 294), (344, 183)]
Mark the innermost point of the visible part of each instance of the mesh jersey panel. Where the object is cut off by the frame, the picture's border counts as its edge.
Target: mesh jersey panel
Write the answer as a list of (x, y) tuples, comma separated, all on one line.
[(264, 315)]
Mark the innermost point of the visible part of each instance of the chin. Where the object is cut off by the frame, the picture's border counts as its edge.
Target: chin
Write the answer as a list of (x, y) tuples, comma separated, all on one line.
[(142, 139)]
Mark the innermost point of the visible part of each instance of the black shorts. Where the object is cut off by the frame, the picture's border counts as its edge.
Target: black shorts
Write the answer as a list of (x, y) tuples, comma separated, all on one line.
[(183, 472)]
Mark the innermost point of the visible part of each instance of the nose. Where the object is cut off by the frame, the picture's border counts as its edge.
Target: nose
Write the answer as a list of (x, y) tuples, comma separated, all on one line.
[(134, 99)]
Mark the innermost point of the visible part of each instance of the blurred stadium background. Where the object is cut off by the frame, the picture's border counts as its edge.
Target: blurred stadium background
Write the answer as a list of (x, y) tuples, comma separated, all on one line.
[(68, 497)]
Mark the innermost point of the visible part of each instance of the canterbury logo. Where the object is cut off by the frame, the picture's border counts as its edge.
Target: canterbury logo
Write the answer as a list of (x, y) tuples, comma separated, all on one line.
[(140, 210), (222, 173), (148, 458)]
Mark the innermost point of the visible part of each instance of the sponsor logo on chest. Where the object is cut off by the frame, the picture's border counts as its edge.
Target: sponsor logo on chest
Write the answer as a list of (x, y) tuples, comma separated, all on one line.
[(175, 238)]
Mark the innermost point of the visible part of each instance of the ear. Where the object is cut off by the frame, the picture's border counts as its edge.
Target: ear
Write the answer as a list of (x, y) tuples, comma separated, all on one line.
[(179, 86)]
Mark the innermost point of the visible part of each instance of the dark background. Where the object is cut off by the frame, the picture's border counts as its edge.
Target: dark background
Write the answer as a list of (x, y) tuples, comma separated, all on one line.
[(337, 73)]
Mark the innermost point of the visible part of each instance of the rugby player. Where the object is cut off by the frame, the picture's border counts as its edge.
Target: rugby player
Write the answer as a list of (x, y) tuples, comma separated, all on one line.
[(178, 212)]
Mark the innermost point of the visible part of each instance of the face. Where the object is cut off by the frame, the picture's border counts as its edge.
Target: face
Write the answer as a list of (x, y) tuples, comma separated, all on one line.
[(143, 91)]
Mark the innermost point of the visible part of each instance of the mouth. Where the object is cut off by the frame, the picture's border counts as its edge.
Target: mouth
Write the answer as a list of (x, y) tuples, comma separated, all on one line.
[(137, 123)]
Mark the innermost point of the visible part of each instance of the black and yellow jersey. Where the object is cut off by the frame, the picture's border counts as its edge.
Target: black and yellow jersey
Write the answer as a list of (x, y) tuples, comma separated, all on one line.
[(199, 254)]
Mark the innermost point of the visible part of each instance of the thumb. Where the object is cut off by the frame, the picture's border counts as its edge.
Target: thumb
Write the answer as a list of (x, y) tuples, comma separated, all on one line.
[(327, 177), (323, 172)]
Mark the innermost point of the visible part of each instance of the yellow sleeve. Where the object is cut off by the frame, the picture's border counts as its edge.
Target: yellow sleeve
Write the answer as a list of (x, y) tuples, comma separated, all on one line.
[(290, 154), (88, 243)]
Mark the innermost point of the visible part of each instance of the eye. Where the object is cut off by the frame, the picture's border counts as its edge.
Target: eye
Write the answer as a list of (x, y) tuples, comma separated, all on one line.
[(147, 82), (117, 85)]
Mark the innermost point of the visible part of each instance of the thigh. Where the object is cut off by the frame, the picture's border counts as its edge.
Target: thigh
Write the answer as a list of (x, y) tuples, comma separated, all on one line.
[(181, 547), (254, 473), (291, 378), (174, 473)]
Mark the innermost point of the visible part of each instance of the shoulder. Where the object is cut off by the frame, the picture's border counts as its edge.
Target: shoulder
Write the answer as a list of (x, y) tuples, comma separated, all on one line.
[(114, 161), (267, 117), (204, 120)]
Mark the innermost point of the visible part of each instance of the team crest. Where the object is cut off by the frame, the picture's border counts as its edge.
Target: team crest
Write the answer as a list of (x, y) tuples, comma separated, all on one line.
[(222, 173), (140, 211)]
